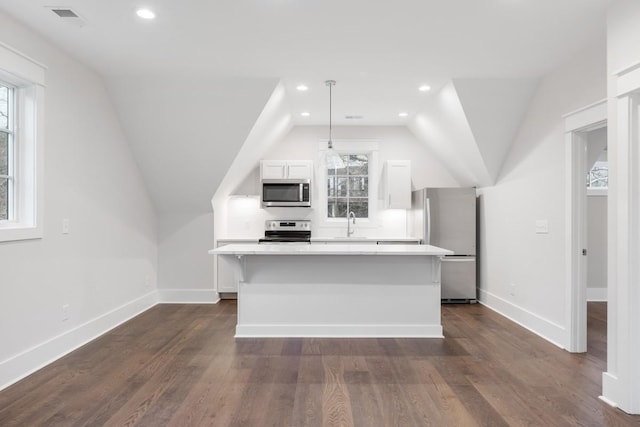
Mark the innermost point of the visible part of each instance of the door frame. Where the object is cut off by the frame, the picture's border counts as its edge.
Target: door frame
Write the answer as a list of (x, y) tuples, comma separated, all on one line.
[(621, 381), (577, 123)]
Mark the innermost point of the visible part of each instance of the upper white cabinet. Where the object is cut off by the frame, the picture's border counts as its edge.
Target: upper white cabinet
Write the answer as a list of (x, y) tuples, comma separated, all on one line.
[(398, 184), (301, 169), (286, 169)]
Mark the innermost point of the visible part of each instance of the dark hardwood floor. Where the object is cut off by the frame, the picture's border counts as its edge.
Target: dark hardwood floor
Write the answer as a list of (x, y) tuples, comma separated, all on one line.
[(179, 365)]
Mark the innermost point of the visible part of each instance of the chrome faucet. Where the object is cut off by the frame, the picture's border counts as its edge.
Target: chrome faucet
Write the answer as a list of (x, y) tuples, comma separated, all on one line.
[(351, 215)]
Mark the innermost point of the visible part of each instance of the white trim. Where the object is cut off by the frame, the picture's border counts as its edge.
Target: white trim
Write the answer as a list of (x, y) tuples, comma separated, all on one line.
[(627, 69), (20, 68), (607, 401), (550, 331), (28, 78), (188, 296), (612, 389), (597, 294), (597, 192), (37, 357), (621, 382), (575, 242), (590, 117), (339, 331), (586, 118), (585, 108), (628, 83)]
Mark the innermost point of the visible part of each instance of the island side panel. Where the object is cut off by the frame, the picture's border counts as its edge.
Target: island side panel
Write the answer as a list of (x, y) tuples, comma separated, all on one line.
[(339, 296)]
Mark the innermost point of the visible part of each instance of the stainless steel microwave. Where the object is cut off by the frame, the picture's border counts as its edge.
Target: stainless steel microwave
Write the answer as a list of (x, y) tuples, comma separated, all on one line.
[(286, 192)]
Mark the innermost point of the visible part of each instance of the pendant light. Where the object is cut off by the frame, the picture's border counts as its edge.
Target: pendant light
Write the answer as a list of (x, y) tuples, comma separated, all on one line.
[(331, 158)]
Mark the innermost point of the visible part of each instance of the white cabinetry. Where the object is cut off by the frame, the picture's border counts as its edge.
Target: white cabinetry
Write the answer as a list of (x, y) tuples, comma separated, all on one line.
[(226, 282), (286, 169), (398, 184)]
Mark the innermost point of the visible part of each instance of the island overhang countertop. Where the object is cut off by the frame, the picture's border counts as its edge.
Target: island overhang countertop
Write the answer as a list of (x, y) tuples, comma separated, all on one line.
[(336, 290), (329, 249)]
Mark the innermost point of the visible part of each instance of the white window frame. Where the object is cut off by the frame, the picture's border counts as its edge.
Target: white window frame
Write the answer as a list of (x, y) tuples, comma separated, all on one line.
[(342, 147), (10, 131), (27, 78)]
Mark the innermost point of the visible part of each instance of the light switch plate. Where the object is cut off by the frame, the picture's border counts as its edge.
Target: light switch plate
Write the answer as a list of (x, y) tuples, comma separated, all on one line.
[(542, 226)]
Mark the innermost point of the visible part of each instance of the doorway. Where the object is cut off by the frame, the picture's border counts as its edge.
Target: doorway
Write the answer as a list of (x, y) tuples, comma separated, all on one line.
[(597, 184), (579, 126)]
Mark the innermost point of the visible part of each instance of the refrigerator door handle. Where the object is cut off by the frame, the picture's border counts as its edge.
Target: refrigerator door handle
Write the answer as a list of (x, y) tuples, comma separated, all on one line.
[(428, 220)]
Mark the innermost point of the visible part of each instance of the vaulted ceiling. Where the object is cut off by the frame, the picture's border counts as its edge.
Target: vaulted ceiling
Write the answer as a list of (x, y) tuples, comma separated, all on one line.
[(190, 84)]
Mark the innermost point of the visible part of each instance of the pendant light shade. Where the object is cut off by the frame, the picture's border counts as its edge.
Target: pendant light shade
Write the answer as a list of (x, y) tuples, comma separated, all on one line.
[(332, 159)]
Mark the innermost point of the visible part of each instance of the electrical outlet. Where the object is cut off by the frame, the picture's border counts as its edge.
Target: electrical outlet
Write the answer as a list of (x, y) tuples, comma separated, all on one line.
[(66, 226), (65, 312)]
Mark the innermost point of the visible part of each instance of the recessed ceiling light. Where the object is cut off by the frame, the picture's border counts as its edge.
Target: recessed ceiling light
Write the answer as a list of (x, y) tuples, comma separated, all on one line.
[(302, 88), (403, 114), (424, 88), (145, 14), (305, 114)]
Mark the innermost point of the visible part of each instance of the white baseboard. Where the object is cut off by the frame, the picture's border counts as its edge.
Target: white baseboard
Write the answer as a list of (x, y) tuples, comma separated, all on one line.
[(611, 389), (597, 294), (339, 331), (188, 296), (552, 332), (30, 360)]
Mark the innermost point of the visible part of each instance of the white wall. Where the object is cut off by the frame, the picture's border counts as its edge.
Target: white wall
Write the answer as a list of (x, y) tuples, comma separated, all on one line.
[(246, 218), (186, 132), (185, 269), (597, 244), (105, 268), (522, 273)]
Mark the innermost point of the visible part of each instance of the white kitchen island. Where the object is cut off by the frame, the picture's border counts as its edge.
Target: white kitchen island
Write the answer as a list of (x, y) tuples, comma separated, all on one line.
[(337, 290)]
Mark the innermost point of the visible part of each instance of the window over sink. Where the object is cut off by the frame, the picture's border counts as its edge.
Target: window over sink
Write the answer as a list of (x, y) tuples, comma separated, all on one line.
[(353, 188), (348, 187)]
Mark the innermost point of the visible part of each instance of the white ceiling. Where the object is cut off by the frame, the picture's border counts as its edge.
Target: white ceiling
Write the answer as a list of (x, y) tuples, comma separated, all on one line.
[(379, 51)]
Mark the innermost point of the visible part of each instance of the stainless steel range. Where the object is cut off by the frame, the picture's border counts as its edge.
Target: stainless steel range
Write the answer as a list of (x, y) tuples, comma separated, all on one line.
[(286, 231)]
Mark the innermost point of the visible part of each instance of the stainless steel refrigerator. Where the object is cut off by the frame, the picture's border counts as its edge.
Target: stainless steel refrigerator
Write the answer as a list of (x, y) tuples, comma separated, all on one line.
[(446, 217)]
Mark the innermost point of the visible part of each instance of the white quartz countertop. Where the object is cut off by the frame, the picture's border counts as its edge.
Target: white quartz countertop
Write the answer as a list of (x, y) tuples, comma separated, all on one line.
[(364, 239), (329, 249)]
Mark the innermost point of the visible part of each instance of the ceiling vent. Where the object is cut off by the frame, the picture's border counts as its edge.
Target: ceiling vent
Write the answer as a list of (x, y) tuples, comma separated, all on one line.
[(68, 15), (354, 117)]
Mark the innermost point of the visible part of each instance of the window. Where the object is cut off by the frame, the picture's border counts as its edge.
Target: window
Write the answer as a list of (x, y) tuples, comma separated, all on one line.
[(6, 152), (353, 188), (21, 145), (348, 188), (598, 176)]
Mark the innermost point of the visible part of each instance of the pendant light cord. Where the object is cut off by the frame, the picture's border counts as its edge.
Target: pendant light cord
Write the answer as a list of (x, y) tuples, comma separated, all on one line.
[(330, 103), (330, 83)]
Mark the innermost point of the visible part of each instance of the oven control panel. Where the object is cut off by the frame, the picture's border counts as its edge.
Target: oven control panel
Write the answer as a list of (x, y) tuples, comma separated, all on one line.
[(287, 224)]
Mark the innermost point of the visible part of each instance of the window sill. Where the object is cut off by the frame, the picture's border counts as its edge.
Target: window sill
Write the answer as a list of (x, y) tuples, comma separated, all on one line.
[(14, 232)]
